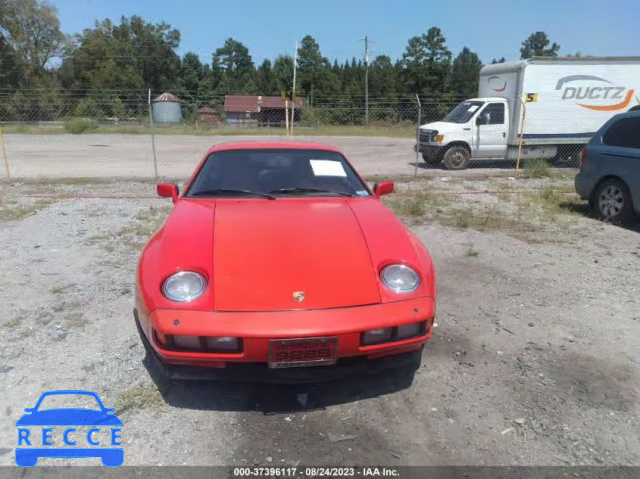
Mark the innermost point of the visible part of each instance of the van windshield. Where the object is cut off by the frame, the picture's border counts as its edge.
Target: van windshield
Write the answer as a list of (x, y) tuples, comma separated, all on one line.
[(463, 112)]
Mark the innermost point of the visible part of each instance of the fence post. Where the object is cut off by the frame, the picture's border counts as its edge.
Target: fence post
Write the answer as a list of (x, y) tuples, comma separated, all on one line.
[(418, 135), (524, 112), (4, 156), (153, 138)]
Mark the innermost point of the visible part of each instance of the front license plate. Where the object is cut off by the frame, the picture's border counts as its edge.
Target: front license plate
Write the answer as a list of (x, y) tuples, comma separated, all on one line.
[(292, 353)]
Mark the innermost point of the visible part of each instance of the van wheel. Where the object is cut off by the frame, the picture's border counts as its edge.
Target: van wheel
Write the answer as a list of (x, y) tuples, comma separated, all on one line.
[(456, 158), (612, 201)]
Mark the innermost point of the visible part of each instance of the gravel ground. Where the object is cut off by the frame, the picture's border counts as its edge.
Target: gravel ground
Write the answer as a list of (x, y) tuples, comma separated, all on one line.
[(534, 361), (129, 156)]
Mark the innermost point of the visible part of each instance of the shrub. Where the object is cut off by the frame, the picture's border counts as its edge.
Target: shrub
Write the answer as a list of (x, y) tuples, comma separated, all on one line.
[(80, 125)]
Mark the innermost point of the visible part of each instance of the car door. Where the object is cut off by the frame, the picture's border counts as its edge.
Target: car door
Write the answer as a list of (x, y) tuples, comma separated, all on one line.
[(621, 152), (491, 131)]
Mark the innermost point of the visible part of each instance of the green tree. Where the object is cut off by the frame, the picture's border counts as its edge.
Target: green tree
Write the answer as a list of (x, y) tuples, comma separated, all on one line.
[(538, 45), (101, 61), (32, 29), (152, 48), (233, 63), (132, 55), (382, 78), (465, 71), (501, 60), (311, 64), (426, 63), (265, 81), (283, 72), (11, 68), (193, 76)]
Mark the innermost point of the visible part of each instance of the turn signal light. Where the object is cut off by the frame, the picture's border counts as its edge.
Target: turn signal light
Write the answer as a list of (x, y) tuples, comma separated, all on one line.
[(203, 344), (390, 335)]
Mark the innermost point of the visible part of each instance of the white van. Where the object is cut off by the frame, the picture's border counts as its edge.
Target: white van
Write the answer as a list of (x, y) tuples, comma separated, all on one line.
[(564, 101)]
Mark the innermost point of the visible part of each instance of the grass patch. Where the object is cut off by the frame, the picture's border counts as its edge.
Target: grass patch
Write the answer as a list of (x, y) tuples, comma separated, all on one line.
[(26, 333), (77, 126), (134, 236), (58, 308), (148, 221), (472, 252), (523, 215), (144, 395), (59, 288), (13, 323), (536, 169), (13, 210), (76, 320)]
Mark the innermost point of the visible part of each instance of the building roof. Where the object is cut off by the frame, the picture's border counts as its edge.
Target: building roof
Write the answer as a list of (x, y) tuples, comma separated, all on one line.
[(253, 104), (166, 97)]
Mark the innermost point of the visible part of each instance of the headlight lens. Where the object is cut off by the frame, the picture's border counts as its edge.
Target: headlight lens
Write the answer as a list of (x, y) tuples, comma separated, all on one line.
[(184, 286), (400, 278)]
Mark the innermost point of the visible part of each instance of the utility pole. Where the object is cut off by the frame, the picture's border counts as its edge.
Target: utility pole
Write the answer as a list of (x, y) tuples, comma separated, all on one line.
[(293, 92), (366, 81)]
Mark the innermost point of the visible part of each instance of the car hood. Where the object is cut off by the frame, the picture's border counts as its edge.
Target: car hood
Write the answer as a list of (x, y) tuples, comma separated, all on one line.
[(266, 251), (443, 127), (260, 255)]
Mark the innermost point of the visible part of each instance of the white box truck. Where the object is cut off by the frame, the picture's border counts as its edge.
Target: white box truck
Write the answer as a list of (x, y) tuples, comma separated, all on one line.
[(564, 101)]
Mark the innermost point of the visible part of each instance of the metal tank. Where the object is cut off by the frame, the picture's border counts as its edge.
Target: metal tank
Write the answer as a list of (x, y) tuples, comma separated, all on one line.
[(167, 109)]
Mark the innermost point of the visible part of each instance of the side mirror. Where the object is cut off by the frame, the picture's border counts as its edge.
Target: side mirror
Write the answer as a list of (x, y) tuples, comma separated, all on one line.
[(481, 120), (167, 190), (380, 189)]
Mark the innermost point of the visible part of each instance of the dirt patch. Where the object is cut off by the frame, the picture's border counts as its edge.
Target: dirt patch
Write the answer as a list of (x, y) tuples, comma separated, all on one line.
[(534, 360)]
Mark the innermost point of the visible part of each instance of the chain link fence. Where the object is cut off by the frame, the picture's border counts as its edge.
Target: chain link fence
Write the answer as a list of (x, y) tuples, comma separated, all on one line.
[(54, 135)]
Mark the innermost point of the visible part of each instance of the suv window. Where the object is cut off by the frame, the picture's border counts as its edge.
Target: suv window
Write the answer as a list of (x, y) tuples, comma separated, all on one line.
[(624, 133), (495, 113)]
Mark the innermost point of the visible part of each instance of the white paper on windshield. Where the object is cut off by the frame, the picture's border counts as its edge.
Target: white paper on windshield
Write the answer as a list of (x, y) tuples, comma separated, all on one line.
[(473, 108), (327, 168)]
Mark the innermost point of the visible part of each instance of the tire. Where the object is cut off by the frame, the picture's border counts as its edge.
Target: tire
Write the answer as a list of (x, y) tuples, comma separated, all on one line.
[(612, 202), (457, 158), (431, 160)]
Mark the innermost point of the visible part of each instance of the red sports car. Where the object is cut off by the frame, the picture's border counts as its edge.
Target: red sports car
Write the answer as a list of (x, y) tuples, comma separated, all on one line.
[(279, 263)]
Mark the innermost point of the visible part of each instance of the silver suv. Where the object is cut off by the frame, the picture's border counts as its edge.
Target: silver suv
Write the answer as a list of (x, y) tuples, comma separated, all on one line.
[(609, 174)]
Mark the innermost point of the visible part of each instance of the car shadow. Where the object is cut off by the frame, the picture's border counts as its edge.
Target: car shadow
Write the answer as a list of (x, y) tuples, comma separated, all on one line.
[(493, 164), (276, 398), (584, 210), (474, 164)]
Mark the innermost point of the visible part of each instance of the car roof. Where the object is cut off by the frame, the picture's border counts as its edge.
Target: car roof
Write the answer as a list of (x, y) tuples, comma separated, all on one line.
[(279, 145), (68, 391)]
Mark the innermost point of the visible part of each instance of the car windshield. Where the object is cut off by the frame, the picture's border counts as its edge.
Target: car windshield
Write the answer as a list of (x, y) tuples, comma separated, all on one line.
[(273, 173), (463, 112), (69, 401)]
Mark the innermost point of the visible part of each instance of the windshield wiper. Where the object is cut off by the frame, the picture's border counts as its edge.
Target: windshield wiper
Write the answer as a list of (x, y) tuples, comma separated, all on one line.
[(284, 191), (225, 191)]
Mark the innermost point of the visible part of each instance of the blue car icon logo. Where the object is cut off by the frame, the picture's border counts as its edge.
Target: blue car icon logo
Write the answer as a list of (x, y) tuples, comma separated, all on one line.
[(85, 432)]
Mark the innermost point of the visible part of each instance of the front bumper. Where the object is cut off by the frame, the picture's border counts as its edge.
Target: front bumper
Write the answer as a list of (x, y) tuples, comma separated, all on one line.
[(257, 328), (430, 150), (427, 143), (260, 373)]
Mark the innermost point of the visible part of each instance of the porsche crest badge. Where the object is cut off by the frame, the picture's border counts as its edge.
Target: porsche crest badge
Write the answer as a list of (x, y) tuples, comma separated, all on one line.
[(298, 296)]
